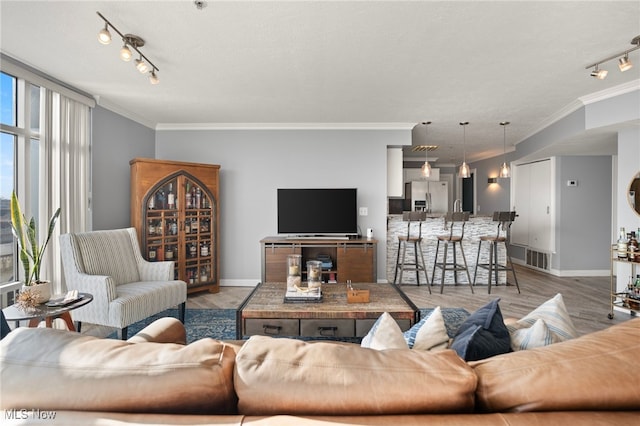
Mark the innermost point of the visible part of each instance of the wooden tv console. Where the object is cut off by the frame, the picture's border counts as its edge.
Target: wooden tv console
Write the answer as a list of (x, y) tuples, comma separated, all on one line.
[(353, 259)]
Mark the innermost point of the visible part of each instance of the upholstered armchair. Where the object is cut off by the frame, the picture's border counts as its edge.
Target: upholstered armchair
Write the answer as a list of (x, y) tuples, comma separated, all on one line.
[(125, 287)]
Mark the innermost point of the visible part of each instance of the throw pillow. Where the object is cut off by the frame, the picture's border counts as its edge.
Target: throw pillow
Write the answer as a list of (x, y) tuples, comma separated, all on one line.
[(483, 334), (385, 334), (429, 333), (535, 336), (556, 318)]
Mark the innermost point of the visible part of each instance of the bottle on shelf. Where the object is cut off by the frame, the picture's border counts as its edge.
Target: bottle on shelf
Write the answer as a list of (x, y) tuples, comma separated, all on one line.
[(187, 226), (632, 246), (198, 197), (187, 196), (194, 225), (168, 252), (204, 249), (161, 199), (622, 244), (171, 198), (153, 254), (151, 228), (203, 274), (152, 203)]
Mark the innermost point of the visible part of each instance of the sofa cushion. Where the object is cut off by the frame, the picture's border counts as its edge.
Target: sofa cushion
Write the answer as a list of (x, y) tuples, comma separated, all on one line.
[(483, 334), (430, 333), (59, 370), (384, 334), (108, 253), (596, 370), (279, 375), (557, 322), (539, 334)]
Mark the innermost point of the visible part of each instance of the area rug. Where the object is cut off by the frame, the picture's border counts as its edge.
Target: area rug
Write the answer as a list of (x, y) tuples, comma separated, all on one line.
[(200, 323), (221, 323)]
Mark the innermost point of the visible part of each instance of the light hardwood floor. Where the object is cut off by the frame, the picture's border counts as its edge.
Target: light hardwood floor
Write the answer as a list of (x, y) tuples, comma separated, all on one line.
[(586, 298)]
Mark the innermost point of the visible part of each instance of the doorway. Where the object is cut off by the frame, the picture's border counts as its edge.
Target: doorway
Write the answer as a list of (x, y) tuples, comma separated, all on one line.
[(468, 202)]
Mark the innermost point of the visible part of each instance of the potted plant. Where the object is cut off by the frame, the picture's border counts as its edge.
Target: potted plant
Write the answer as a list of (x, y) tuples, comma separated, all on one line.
[(31, 254)]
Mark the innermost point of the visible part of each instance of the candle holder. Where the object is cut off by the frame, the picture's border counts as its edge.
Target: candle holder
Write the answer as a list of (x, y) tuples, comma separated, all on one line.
[(314, 274), (294, 277)]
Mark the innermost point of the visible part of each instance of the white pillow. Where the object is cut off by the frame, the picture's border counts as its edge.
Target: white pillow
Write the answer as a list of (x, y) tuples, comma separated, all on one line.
[(532, 337), (385, 334), (429, 333), (556, 319)]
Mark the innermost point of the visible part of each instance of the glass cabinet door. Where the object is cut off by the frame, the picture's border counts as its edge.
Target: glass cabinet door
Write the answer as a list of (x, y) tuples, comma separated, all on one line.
[(179, 227)]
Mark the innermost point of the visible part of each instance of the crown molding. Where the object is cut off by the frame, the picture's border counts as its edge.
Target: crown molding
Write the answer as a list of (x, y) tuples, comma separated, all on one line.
[(611, 92), (284, 126), (115, 108)]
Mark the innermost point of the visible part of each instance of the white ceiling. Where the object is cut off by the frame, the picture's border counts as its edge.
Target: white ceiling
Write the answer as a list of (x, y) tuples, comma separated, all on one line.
[(363, 64)]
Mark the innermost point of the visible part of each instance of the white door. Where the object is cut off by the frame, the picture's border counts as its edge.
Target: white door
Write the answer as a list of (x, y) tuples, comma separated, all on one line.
[(532, 197), (540, 207), (521, 184)]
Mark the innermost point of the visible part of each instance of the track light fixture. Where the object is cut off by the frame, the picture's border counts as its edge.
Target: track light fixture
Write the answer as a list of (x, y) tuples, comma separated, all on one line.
[(426, 167), (464, 168), (104, 36), (130, 41), (504, 169), (624, 63)]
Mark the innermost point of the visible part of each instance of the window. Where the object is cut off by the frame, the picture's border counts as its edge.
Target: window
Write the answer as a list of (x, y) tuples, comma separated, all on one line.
[(19, 149)]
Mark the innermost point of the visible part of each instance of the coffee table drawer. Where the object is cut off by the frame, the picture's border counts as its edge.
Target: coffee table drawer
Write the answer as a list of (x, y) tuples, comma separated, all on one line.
[(327, 327), (271, 327), (364, 325)]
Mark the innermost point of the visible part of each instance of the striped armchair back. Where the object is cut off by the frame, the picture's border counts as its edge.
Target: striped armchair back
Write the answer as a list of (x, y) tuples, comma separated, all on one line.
[(108, 252)]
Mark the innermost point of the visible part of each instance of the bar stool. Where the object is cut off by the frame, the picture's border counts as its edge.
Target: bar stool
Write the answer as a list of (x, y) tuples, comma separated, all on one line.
[(504, 219), (454, 220), (403, 240)]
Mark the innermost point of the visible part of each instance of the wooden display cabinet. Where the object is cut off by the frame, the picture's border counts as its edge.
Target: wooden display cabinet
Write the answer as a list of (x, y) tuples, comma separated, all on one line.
[(175, 210)]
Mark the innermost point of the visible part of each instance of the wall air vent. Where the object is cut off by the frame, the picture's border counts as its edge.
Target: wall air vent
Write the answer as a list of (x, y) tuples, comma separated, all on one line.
[(537, 260)]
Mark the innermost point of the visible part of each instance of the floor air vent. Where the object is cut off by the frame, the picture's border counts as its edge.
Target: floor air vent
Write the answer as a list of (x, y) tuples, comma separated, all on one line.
[(537, 259)]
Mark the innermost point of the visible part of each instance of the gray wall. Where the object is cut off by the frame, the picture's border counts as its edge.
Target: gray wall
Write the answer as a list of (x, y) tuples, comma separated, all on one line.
[(254, 163), (115, 141), (583, 213)]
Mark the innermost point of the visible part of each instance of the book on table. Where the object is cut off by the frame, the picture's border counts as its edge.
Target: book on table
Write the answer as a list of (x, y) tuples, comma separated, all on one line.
[(303, 295)]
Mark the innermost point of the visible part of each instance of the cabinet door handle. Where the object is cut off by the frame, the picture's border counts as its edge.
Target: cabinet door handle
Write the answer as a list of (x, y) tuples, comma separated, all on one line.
[(272, 330), (328, 331)]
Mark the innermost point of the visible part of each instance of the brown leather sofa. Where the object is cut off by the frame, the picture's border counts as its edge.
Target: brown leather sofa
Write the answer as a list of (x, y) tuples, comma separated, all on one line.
[(61, 378)]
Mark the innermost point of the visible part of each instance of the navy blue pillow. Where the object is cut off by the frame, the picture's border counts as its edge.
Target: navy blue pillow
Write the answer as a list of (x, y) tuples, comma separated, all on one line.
[(483, 334)]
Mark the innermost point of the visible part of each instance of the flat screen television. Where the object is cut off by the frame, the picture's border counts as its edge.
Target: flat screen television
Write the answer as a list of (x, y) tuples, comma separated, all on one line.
[(318, 211)]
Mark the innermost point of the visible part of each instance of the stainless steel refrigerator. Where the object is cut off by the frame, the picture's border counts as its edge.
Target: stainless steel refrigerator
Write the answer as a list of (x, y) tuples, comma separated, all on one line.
[(429, 196)]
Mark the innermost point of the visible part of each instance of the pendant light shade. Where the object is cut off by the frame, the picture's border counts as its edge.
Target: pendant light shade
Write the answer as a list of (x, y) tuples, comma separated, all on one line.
[(426, 167), (464, 171), (504, 169)]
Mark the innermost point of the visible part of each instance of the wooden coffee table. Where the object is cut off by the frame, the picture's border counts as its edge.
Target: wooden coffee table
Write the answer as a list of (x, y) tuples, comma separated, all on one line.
[(264, 312)]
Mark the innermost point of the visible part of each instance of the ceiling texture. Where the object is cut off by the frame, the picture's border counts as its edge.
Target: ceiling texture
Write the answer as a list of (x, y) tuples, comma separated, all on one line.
[(340, 64)]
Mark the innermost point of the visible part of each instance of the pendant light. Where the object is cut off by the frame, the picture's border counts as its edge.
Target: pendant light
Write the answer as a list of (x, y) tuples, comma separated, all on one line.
[(504, 169), (426, 167), (464, 171)]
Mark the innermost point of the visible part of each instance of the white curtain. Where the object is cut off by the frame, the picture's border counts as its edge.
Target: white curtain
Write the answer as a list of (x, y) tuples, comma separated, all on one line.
[(65, 174)]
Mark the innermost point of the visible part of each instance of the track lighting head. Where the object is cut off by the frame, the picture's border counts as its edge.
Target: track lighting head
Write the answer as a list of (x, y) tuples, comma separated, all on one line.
[(598, 73), (153, 78), (130, 41), (141, 66), (125, 53), (624, 64), (104, 36)]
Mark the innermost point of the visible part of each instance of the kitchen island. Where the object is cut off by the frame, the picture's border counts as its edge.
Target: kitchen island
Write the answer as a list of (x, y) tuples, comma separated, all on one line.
[(476, 227)]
